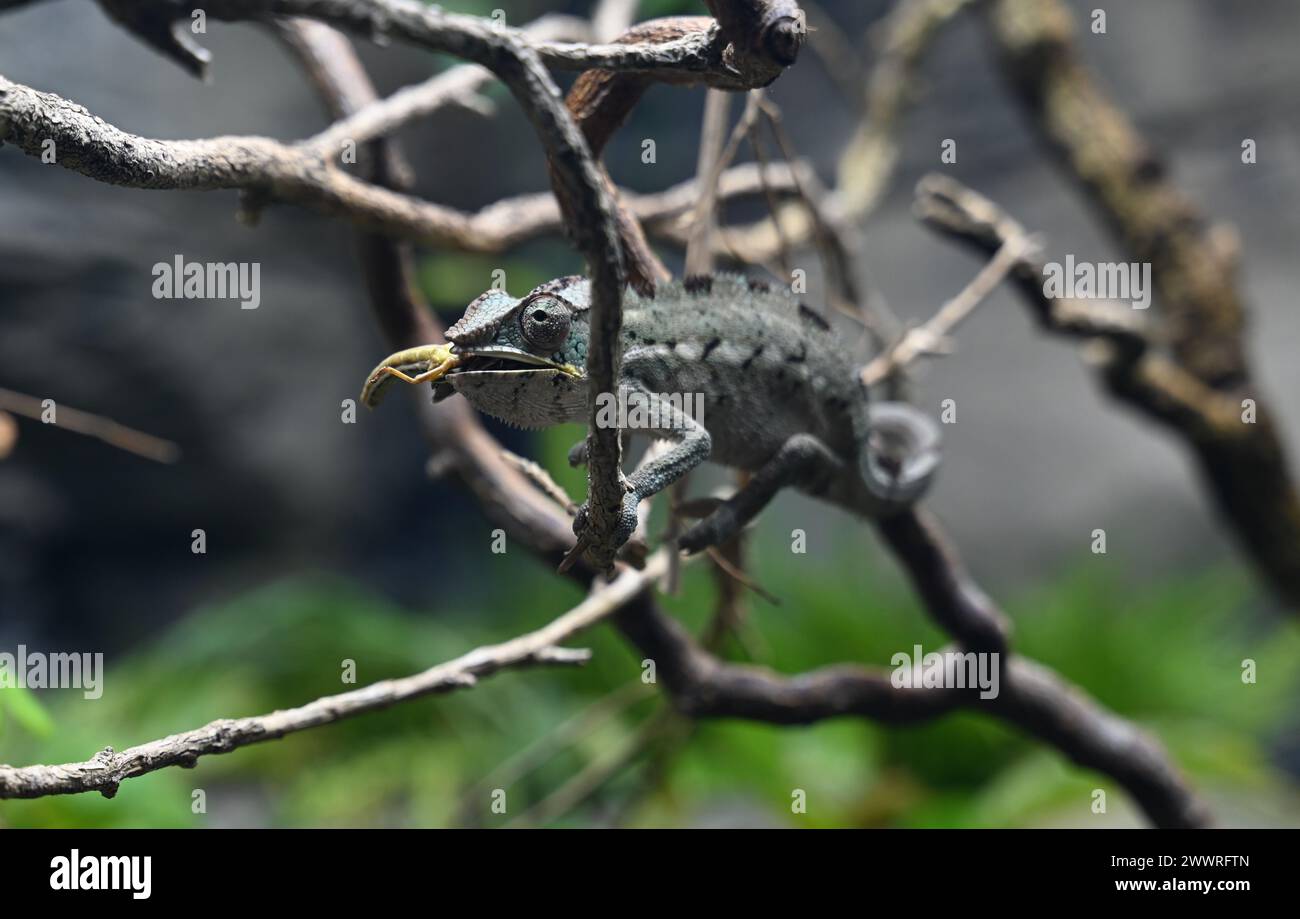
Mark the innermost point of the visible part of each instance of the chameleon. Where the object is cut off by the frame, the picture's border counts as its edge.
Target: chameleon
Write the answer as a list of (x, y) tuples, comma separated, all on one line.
[(782, 398)]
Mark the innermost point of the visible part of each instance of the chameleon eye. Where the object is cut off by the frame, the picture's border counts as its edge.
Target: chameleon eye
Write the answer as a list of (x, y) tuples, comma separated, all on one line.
[(545, 324)]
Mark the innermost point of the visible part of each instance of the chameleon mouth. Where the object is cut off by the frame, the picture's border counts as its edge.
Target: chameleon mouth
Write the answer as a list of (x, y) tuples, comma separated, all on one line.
[(498, 357), (497, 362), (434, 364)]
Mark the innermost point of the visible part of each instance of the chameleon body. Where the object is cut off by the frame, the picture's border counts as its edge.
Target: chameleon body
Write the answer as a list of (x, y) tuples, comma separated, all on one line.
[(781, 396)]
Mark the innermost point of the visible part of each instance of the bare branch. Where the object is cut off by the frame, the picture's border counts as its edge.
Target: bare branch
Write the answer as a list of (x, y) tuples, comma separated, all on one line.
[(612, 18), (1194, 267), (1244, 463), (931, 337), (952, 598), (451, 427), (107, 770), (1031, 697), (454, 86), (946, 206), (703, 54), (760, 39), (91, 425), (868, 161), (709, 164)]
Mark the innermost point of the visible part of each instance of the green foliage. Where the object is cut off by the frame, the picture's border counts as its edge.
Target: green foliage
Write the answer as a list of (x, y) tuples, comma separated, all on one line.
[(1167, 655), (27, 713)]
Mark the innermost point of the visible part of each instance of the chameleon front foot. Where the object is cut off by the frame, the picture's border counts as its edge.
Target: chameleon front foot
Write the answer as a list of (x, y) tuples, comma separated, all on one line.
[(627, 520)]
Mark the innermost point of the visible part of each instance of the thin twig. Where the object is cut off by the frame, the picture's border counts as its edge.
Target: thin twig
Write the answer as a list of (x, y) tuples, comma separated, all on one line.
[(707, 200), (612, 18), (108, 770), (536, 474), (97, 426), (930, 337), (708, 167)]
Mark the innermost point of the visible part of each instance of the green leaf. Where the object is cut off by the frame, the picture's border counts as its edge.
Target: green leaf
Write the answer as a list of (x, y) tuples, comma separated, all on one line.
[(28, 711)]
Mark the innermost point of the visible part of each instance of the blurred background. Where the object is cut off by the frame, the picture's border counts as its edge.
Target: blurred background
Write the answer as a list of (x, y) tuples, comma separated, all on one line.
[(327, 541)]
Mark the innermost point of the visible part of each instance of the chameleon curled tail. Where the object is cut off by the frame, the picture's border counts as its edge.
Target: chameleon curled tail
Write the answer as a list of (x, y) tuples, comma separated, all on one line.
[(901, 454)]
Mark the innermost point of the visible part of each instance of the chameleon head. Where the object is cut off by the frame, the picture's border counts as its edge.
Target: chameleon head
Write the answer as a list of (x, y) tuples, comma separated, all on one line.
[(519, 360)]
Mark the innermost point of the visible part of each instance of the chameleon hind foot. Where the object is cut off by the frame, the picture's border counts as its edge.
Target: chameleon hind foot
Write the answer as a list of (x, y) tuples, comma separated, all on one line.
[(802, 460)]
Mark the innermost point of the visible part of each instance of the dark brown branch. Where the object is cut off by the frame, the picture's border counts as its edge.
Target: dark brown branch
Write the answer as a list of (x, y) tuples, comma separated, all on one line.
[(1031, 698), (954, 600), (164, 26)]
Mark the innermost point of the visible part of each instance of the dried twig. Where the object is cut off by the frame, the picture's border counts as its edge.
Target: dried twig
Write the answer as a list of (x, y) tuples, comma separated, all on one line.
[(868, 161), (91, 425), (611, 18), (709, 166), (580, 186), (1244, 463), (541, 479), (455, 86), (931, 336), (108, 770), (1194, 268)]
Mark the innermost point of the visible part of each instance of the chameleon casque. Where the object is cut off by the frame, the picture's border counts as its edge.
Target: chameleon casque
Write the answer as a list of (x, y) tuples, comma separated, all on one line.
[(783, 400)]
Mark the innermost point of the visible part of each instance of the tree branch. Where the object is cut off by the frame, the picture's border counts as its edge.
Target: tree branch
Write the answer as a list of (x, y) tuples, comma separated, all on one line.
[(461, 446), (1243, 463), (702, 54), (1193, 266), (107, 770), (1031, 697)]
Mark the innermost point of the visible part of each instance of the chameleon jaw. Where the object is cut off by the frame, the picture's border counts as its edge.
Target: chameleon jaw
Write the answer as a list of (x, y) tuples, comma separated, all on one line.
[(431, 363)]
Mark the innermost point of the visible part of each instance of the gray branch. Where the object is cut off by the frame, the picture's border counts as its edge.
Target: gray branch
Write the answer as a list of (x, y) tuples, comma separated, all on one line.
[(107, 769)]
